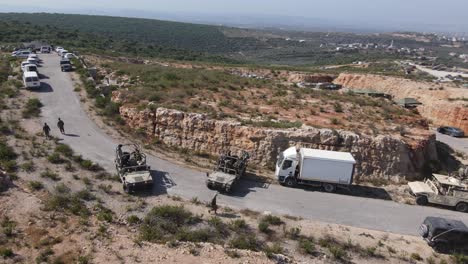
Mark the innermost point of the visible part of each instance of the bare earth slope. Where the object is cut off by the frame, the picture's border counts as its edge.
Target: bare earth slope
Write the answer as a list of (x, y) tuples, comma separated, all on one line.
[(435, 97)]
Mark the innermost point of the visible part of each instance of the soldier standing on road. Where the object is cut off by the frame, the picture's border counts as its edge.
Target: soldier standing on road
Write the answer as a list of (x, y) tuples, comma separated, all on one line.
[(46, 130), (213, 205), (61, 125)]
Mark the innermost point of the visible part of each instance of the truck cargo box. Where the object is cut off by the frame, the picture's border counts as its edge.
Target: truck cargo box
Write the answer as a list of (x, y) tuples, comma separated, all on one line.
[(326, 166)]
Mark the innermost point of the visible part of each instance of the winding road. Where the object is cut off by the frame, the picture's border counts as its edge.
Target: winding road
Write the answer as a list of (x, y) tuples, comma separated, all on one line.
[(86, 138)]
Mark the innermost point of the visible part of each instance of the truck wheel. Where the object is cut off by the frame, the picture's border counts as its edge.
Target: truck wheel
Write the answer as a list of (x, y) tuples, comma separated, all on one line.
[(440, 247), (421, 200), (462, 207), (228, 189), (290, 182), (329, 187)]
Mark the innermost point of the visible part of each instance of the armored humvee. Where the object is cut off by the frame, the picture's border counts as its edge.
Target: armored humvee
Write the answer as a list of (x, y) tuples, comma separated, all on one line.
[(443, 190), (228, 170), (131, 167)]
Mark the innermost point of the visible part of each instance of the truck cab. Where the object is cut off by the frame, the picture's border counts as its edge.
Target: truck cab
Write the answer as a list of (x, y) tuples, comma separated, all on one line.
[(442, 190), (286, 166)]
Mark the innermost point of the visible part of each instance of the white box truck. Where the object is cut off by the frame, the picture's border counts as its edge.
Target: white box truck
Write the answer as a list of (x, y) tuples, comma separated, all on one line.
[(328, 169)]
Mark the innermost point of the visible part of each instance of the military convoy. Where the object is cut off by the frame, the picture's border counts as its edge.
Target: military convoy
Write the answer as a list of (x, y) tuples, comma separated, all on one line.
[(131, 167), (228, 170), (442, 190)]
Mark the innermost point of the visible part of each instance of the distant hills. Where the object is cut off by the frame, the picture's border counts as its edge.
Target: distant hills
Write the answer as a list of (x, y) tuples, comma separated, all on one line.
[(177, 35)]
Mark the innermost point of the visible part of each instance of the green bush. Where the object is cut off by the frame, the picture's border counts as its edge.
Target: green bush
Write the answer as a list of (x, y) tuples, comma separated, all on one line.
[(276, 248), (55, 158), (6, 152), (245, 241), (238, 224), (50, 175), (85, 195), (6, 252), (35, 185), (133, 219), (65, 150), (63, 200), (162, 223), (32, 108), (272, 220), (307, 246), (264, 227), (337, 252), (28, 166)]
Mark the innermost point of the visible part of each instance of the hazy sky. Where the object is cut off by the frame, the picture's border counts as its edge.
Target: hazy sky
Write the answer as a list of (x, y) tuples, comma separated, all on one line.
[(431, 12)]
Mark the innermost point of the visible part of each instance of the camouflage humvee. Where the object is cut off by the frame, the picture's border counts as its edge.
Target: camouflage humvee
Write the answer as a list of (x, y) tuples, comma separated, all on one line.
[(228, 170), (131, 166), (443, 190)]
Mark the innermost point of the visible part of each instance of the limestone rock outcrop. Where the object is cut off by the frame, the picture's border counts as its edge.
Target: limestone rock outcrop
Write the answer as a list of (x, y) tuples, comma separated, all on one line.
[(381, 156)]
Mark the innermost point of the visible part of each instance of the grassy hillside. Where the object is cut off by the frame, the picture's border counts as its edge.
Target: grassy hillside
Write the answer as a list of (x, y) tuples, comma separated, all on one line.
[(15, 33), (194, 37)]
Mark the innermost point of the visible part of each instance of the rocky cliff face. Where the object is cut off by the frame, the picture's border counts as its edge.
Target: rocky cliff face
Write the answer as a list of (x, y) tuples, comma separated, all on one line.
[(379, 156), (436, 105)]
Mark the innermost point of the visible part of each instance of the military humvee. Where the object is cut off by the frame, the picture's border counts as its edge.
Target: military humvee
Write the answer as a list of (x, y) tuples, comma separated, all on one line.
[(131, 167), (443, 190), (228, 170)]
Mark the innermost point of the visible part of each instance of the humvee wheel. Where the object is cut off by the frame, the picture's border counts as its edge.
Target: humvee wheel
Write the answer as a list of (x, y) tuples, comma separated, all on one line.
[(462, 207), (228, 189), (209, 185), (421, 200), (126, 188), (329, 187)]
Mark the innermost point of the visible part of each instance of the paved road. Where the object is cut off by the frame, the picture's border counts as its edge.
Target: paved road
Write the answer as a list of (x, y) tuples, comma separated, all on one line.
[(460, 144), (88, 140)]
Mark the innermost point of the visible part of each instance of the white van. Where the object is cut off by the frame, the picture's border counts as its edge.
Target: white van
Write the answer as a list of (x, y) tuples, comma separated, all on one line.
[(30, 68), (31, 80)]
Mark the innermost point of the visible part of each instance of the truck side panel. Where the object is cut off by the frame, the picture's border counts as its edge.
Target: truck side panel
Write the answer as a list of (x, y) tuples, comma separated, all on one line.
[(326, 171)]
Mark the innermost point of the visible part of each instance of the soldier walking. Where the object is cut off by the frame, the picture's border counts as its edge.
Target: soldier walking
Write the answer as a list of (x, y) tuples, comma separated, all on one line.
[(61, 126), (213, 205), (46, 130)]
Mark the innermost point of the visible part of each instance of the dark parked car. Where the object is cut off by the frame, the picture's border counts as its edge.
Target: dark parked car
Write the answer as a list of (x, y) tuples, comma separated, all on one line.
[(451, 131), (444, 234), (65, 65)]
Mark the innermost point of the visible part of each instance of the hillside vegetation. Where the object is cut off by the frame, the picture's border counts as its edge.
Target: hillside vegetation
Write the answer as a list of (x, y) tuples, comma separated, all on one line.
[(150, 32), (16, 33)]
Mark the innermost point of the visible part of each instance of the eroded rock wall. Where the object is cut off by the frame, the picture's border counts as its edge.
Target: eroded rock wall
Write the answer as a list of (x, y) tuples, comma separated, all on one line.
[(376, 156), (435, 97)]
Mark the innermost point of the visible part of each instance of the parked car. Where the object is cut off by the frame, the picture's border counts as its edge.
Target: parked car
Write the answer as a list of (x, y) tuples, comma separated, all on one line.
[(23, 64), (69, 56), (31, 80), (30, 68), (444, 234), (45, 49), (62, 52), (65, 65), (21, 53), (32, 61), (57, 49), (451, 131), (34, 56)]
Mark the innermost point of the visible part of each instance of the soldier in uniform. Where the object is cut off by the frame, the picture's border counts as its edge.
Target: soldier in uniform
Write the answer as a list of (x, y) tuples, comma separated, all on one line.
[(213, 205), (46, 130)]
